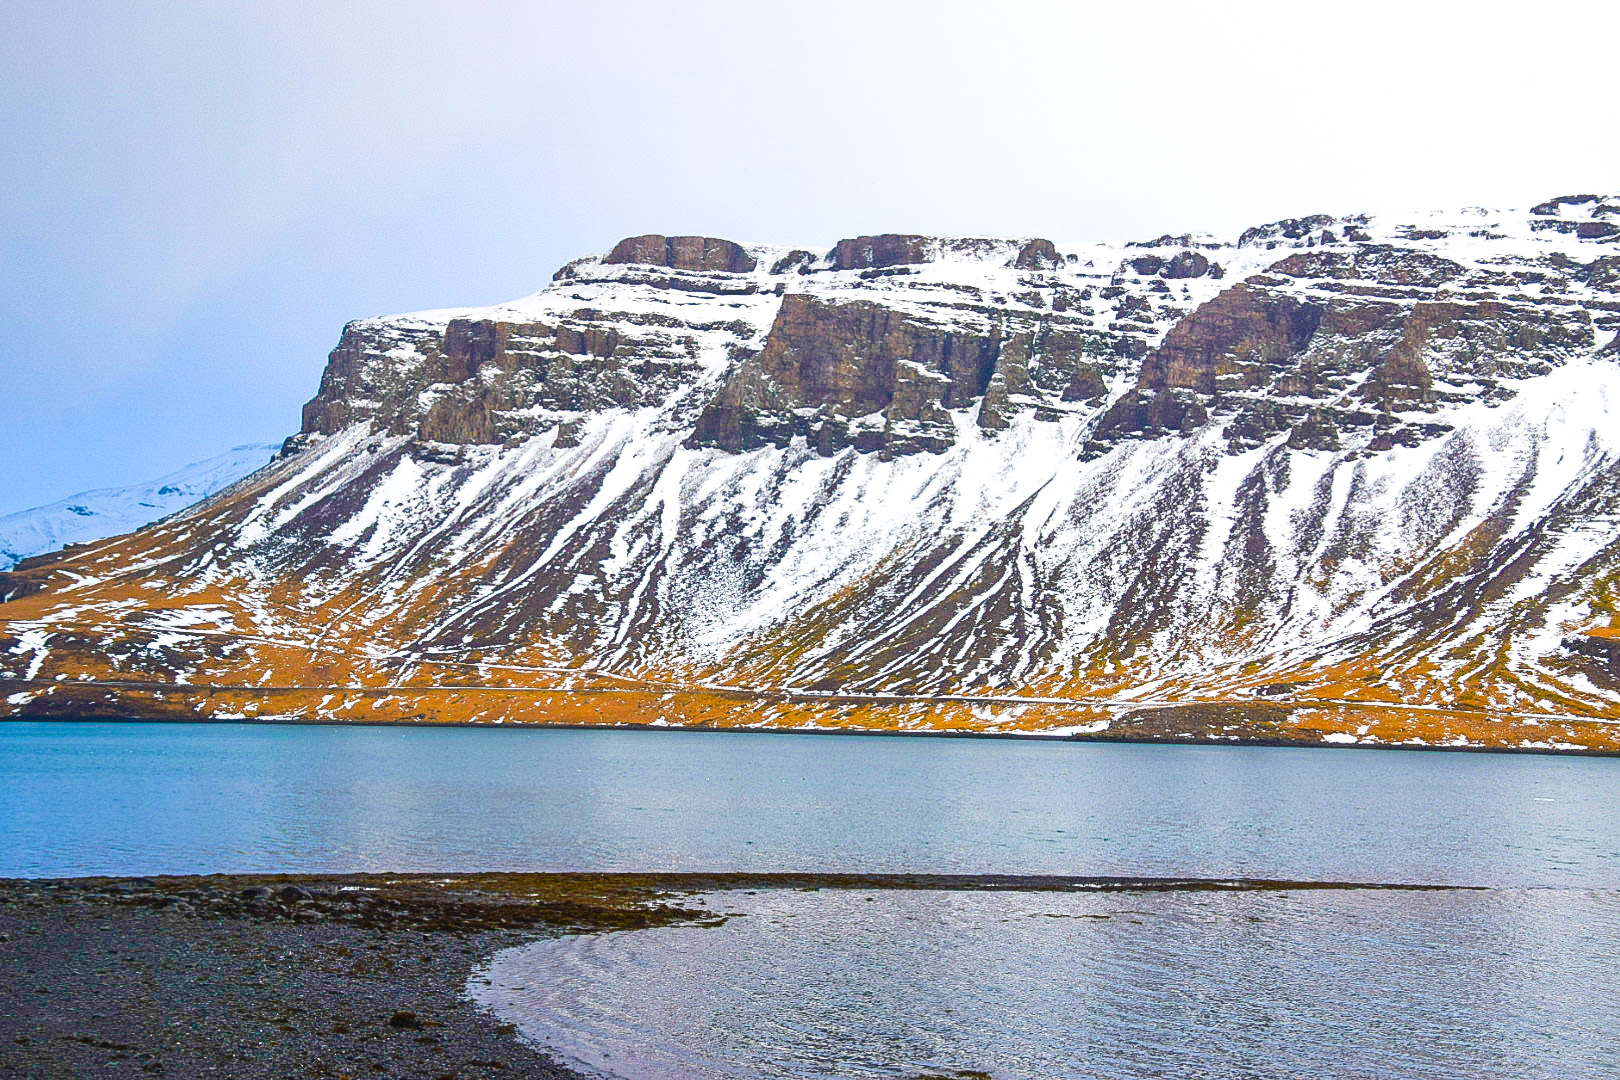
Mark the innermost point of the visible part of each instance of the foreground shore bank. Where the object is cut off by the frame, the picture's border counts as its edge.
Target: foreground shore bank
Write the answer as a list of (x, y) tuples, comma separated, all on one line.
[(277, 976), (356, 975)]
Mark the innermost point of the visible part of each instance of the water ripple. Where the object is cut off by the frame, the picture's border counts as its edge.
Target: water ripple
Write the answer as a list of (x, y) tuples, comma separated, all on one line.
[(1508, 985)]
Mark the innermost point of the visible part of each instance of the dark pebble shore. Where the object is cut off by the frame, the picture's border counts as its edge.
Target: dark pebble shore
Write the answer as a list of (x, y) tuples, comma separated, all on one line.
[(354, 976)]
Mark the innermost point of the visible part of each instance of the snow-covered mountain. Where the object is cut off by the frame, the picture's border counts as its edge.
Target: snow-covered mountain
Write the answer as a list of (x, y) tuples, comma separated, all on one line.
[(94, 515), (1342, 479)]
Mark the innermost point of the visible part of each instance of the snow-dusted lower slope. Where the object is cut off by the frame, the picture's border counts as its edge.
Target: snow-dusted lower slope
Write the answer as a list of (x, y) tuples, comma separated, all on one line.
[(1341, 480), (93, 515)]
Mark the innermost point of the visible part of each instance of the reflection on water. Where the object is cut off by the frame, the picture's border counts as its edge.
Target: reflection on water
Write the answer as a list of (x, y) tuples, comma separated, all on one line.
[(1387, 985), (175, 798)]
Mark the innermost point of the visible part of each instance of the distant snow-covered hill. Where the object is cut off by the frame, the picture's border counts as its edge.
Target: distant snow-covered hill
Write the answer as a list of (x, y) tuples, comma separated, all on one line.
[(92, 515)]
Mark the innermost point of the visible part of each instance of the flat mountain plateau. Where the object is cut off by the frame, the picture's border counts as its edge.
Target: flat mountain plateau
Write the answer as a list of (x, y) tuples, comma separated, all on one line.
[(1340, 480)]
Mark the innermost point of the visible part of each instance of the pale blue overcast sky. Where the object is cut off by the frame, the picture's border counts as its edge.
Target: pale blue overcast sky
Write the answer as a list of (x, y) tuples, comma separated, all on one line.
[(196, 196)]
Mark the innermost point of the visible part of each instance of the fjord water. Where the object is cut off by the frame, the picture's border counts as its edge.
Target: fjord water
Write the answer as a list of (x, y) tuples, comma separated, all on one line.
[(88, 798), (1521, 980), (1372, 985)]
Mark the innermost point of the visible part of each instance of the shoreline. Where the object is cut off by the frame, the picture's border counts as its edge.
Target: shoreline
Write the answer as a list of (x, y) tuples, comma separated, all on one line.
[(276, 975), (939, 733), (348, 975)]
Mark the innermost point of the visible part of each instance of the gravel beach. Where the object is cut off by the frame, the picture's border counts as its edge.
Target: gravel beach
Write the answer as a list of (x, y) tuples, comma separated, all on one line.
[(276, 977)]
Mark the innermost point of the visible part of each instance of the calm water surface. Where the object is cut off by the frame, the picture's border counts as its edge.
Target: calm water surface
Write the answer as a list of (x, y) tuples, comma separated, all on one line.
[(1517, 985), (177, 798), (1518, 982)]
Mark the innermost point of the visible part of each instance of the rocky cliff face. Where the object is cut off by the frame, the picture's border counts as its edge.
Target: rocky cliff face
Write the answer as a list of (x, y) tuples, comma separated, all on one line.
[(1342, 479)]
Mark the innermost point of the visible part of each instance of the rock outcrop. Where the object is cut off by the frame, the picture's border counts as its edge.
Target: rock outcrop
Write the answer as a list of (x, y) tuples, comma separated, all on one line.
[(859, 374), (703, 253), (1354, 338), (907, 249), (826, 367)]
